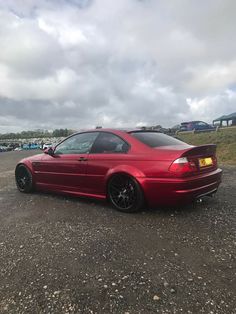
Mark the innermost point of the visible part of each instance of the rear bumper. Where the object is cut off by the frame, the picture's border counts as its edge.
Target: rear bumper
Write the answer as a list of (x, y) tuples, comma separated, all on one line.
[(166, 191)]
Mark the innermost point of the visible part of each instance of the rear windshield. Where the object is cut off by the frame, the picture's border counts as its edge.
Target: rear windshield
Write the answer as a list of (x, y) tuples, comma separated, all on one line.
[(155, 139)]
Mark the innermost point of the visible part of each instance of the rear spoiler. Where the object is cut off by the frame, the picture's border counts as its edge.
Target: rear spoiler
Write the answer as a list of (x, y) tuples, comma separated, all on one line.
[(203, 150)]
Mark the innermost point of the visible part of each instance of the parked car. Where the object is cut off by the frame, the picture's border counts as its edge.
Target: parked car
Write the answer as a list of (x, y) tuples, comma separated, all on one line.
[(31, 146), (195, 125), (174, 129), (47, 145), (3, 149), (128, 168)]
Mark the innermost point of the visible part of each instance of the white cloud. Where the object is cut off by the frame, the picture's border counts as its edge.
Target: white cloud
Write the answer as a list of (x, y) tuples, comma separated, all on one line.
[(212, 78), (82, 63), (212, 106)]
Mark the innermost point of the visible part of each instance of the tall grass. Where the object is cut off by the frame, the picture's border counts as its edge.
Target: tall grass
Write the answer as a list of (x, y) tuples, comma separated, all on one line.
[(225, 139)]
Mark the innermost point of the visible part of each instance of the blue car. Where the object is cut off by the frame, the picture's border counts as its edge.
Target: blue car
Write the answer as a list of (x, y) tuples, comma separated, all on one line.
[(31, 146), (196, 125)]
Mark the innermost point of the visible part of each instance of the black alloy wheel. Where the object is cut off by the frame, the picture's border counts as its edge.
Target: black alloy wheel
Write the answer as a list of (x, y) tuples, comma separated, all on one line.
[(24, 180), (125, 193)]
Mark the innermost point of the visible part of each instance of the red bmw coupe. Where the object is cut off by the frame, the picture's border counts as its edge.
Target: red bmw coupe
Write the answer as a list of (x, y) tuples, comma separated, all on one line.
[(128, 168)]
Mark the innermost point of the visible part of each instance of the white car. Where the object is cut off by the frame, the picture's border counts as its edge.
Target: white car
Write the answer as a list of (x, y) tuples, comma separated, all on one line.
[(47, 145)]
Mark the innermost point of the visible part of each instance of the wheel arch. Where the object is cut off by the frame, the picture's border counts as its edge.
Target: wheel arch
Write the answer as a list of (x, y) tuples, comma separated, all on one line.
[(29, 188), (125, 170), (26, 165)]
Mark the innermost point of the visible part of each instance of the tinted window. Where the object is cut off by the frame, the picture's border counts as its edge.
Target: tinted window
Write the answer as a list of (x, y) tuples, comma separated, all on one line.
[(202, 123), (77, 144), (154, 139), (109, 143)]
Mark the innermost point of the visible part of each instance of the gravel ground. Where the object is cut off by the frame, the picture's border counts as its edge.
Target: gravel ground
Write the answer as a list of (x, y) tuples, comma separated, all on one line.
[(67, 255)]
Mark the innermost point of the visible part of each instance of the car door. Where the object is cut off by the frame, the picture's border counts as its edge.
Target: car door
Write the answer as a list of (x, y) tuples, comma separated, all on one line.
[(108, 151), (201, 125), (66, 168)]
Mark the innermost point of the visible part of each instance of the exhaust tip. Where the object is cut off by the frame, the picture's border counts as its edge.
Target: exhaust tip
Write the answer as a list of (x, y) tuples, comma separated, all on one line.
[(199, 200)]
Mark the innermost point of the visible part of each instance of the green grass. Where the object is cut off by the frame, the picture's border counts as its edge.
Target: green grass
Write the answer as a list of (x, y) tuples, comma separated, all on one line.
[(225, 139)]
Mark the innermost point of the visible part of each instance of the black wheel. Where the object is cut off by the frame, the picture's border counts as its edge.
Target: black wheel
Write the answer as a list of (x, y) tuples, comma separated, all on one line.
[(125, 193), (24, 179)]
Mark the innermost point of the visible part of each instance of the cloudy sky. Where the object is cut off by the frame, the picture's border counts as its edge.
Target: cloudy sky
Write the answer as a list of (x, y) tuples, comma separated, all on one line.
[(82, 63)]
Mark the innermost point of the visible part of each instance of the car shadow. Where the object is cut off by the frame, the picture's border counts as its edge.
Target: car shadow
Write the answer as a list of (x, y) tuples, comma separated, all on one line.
[(195, 206), (162, 210), (73, 199)]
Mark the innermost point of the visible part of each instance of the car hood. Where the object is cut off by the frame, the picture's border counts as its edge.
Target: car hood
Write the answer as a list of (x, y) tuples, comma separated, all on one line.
[(32, 158)]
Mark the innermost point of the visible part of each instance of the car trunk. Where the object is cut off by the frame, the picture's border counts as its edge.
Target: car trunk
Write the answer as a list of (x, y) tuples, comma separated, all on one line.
[(186, 160), (204, 157)]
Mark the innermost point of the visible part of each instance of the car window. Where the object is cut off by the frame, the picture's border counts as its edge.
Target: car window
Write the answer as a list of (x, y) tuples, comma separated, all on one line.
[(107, 143), (202, 123), (77, 144), (155, 139)]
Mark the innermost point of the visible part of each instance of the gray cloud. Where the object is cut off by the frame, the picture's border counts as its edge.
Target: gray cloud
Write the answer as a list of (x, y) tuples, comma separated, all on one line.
[(82, 63)]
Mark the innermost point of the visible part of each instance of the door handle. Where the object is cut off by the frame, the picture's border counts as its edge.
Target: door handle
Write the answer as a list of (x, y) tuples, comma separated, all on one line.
[(82, 159)]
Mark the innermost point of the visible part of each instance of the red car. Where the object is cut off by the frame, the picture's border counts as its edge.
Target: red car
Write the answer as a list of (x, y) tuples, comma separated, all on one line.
[(129, 168)]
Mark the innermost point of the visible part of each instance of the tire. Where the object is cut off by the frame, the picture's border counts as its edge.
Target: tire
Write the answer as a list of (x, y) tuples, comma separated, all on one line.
[(24, 180), (125, 193)]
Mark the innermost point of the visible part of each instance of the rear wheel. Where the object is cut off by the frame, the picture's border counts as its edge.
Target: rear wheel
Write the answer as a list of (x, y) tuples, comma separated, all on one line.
[(24, 180), (125, 193)]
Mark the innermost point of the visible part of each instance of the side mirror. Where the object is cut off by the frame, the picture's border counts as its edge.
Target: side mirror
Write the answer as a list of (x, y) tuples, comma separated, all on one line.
[(49, 151)]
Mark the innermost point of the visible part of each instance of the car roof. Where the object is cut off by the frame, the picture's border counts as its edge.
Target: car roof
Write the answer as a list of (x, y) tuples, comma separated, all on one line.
[(124, 133), (118, 130), (192, 122)]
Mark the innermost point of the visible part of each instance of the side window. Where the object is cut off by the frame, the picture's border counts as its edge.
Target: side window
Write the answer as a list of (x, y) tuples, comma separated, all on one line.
[(108, 143), (77, 144), (200, 123)]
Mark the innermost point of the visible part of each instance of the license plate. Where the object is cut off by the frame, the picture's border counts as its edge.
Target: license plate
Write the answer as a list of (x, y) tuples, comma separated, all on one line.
[(204, 162)]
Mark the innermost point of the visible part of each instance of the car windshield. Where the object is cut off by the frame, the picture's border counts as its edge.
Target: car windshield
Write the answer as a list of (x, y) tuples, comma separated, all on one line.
[(155, 139)]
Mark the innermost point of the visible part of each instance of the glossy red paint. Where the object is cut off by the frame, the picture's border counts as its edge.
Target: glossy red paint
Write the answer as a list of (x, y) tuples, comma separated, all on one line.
[(87, 174)]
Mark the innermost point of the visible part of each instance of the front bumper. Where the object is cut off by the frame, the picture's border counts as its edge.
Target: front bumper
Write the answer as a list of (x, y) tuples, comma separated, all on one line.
[(173, 191)]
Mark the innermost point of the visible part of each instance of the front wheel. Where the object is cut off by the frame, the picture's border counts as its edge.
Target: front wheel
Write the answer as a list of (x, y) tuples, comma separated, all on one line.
[(125, 193), (24, 180)]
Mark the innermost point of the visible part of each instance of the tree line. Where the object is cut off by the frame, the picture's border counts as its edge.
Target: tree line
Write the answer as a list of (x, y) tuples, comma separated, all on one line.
[(38, 134)]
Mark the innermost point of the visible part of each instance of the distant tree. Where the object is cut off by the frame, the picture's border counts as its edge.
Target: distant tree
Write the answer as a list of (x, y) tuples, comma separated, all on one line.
[(37, 134), (61, 132)]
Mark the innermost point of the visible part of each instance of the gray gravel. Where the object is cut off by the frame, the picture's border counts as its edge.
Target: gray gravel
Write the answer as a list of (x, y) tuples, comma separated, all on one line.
[(67, 255)]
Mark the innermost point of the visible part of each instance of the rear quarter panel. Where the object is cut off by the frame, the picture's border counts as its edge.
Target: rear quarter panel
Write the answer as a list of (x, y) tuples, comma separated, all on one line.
[(102, 166)]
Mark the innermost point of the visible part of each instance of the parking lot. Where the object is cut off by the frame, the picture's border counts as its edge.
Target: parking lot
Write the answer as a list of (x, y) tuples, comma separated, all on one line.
[(66, 255)]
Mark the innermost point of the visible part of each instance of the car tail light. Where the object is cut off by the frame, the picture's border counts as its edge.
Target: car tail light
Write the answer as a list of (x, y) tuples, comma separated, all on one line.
[(214, 159), (182, 167)]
